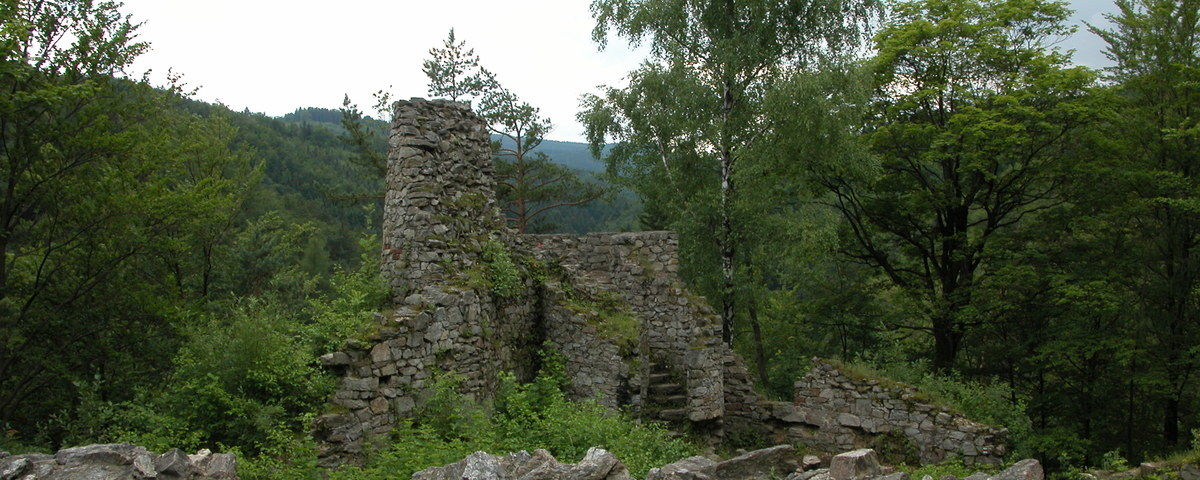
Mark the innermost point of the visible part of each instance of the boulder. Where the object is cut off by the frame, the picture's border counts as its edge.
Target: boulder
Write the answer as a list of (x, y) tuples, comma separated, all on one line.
[(597, 464), (104, 454), (120, 461), (818, 474), (768, 463), (810, 462), (856, 465), (978, 476), (895, 476), (11, 468), (1189, 472), (1023, 470), (218, 466), (173, 464), (697, 468)]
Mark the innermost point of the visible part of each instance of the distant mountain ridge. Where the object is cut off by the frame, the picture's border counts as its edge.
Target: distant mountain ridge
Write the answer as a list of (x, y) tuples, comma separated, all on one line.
[(292, 142), (575, 155)]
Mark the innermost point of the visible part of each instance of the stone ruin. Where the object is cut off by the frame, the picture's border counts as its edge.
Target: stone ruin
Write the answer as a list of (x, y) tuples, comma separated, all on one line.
[(839, 410), (474, 298)]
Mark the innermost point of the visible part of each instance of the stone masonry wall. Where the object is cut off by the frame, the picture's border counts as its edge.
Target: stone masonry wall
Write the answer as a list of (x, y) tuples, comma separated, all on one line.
[(439, 204), (439, 217), (677, 329), (680, 331), (837, 410), (612, 306)]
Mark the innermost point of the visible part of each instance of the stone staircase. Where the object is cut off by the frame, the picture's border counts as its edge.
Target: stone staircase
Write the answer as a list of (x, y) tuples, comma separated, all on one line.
[(667, 398)]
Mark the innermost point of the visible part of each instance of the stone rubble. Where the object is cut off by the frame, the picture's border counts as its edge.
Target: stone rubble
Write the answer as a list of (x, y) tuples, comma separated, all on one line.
[(597, 464), (776, 462), (120, 461)]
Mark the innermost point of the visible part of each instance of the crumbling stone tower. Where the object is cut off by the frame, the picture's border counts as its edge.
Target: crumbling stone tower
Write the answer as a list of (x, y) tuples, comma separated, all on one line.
[(440, 205), (611, 305), (473, 298)]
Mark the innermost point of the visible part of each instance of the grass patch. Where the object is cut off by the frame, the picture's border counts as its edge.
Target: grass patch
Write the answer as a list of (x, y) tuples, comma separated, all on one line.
[(864, 372), (609, 314), (950, 467)]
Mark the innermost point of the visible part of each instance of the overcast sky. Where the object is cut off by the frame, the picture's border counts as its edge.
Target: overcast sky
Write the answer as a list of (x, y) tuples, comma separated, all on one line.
[(272, 56)]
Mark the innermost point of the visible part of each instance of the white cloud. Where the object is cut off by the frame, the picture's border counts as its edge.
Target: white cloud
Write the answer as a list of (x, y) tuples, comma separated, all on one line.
[(273, 56)]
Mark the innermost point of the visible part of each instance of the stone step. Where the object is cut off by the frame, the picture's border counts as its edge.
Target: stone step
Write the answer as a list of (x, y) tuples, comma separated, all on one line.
[(674, 415), (660, 377), (677, 400), (666, 389)]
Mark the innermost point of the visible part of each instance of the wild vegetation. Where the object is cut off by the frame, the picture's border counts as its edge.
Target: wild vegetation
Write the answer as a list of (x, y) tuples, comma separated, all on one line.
[(930, 190)]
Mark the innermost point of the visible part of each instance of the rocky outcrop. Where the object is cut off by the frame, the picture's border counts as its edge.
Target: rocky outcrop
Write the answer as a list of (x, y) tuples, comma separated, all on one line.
[(1023, 470), (766, 464), (121, 461), (836, 410), (597, 464), (857, 465)]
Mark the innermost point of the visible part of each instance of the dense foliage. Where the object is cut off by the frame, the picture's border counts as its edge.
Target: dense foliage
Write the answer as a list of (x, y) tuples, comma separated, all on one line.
[(960, 207)]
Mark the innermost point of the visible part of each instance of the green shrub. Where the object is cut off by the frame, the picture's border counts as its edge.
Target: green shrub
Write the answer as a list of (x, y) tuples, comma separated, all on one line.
[(503, 276), (523, 417), (412, 449), (287, 456), (241, 381), (986, 402), (347, 311), (895, 448), (951, 467), (1060, 449)]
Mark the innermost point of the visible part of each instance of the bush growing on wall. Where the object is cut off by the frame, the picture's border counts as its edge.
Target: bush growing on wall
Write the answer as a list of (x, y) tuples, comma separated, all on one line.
[(986, 402), (524, 417)]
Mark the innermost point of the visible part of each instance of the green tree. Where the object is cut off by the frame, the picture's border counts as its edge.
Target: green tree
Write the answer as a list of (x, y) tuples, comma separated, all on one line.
[(53, 86), (369, 151), (970, 127), (106, 185), (530, 184), (691, 114), (454, 72), (1155, 46)]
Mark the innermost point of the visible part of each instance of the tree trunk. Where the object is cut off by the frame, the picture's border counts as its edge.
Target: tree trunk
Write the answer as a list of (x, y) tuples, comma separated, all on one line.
[(1171, 422), (946, 341), (4, 264), (728, 290), (1129, 411), (760, 352), (728, 250)]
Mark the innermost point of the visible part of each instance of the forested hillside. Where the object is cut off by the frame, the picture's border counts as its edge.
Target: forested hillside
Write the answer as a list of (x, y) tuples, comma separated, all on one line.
[(617, 211)]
